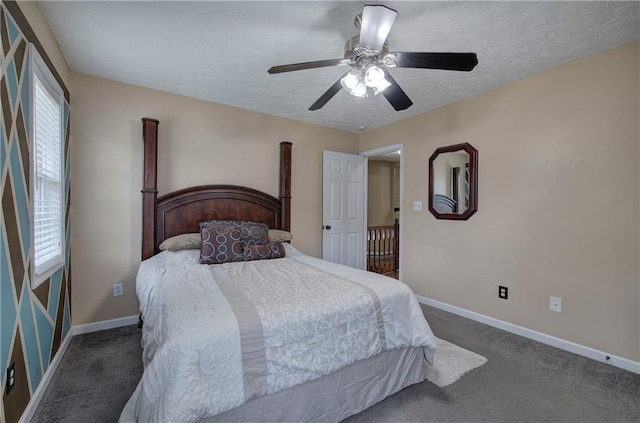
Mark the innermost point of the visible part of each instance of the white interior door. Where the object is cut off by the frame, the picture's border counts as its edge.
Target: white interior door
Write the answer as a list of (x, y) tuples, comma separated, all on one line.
[(343, 209)]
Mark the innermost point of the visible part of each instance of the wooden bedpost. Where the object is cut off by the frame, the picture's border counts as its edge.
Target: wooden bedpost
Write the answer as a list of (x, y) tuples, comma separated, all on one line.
[(285, 185), (149, 186)]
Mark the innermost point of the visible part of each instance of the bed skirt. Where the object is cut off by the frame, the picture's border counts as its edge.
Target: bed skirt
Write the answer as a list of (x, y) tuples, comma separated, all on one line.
[(336, 396), (331, 398)]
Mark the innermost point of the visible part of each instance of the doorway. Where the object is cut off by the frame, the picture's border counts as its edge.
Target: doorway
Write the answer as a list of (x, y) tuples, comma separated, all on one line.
[(383, 217)]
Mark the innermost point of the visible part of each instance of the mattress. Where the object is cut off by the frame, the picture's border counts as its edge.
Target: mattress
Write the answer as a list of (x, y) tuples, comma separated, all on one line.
[(221, 336)]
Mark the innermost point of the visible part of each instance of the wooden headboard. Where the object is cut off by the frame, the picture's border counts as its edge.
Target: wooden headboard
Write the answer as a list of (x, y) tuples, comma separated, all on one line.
[(181, 211)]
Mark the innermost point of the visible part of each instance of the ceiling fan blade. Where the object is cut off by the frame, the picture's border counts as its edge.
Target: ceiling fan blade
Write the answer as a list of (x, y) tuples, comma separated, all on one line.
[(395, 95), (328, 95), (446, 61), (307, 65), (375, 26)]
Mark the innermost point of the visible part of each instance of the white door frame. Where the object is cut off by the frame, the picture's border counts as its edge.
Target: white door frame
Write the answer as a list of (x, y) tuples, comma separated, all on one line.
[(377, 152)]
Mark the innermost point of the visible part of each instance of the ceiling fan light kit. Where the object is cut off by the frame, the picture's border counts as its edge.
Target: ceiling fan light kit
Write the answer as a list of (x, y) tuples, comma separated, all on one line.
[(361, 83), (368, 52)]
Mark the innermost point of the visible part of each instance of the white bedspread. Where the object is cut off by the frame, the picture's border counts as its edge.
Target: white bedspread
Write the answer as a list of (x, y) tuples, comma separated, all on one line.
[(216, 336)]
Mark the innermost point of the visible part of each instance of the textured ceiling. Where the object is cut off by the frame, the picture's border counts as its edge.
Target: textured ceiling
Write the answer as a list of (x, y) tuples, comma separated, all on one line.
[(220, 51)]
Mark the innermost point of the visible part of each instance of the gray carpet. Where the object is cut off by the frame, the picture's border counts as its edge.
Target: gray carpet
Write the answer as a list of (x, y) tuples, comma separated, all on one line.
[(523, 381), (95, 378)]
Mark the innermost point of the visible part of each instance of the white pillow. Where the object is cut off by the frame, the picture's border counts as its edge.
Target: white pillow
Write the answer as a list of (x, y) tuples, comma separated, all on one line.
[(189, 241), (276, 235)]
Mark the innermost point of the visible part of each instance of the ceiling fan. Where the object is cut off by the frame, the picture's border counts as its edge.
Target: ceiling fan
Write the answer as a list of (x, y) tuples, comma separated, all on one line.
[(368, 54)]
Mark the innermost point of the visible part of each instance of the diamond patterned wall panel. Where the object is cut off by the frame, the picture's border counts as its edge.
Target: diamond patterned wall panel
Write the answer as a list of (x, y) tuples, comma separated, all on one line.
[(8, 302), (21, 197), (34, 322)]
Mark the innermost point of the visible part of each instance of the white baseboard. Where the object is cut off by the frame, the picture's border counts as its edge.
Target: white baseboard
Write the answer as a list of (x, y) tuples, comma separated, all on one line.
[(105, 324), (31, 408), (602, 356)]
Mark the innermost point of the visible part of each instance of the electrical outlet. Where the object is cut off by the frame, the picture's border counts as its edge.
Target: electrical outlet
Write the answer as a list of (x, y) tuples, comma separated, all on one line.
[(118, 290), (555, 304), (503, 292), (11, 377)]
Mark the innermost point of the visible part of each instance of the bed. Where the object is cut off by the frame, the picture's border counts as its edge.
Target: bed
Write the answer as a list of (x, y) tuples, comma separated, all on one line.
[(291, 338)]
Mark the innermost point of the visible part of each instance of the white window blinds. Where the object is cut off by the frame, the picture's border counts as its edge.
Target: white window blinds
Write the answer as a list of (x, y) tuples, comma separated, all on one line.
[(47, 184)]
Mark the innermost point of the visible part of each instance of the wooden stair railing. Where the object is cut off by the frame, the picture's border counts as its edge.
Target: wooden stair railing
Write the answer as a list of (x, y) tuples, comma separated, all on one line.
[(383, 247)]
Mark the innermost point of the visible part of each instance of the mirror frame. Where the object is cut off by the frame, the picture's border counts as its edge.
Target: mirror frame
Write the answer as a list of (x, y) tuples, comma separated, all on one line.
[(473, 181)]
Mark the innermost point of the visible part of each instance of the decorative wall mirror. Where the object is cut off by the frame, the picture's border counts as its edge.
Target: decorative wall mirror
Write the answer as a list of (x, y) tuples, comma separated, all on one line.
[(453, 182)]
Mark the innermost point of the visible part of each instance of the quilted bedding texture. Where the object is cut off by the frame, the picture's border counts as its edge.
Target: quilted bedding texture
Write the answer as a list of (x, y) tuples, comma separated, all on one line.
[(216, 336)]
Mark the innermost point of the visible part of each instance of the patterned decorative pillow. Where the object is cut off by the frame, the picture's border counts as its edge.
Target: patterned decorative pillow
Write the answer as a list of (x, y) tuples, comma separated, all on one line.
[(221, 244), (252, 233), (272, 250)]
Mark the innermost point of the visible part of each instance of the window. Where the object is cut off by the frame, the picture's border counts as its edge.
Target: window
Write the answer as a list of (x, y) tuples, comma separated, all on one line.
[(47, 180)]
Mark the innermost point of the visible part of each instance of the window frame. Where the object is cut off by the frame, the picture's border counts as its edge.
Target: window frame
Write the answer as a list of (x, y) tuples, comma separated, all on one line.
[(41, 71)]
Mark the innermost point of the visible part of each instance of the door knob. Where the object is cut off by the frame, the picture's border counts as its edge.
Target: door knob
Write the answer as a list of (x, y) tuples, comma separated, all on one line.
[(327, 227)]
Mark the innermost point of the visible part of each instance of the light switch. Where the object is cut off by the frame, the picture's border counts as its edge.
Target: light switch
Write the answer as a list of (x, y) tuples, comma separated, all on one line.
[(417, 206)]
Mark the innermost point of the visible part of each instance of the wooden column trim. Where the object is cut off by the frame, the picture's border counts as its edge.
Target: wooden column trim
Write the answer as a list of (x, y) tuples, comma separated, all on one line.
[(285, 185), (149, 186)]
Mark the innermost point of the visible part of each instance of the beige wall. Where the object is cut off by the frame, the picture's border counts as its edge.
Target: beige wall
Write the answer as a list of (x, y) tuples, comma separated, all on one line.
[(199, 143), (558, 202), (380, 193), (557, 153)]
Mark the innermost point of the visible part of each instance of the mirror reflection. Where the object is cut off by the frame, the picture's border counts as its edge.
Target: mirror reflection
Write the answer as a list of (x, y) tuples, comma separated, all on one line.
[(451, 182), (453, 174)]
